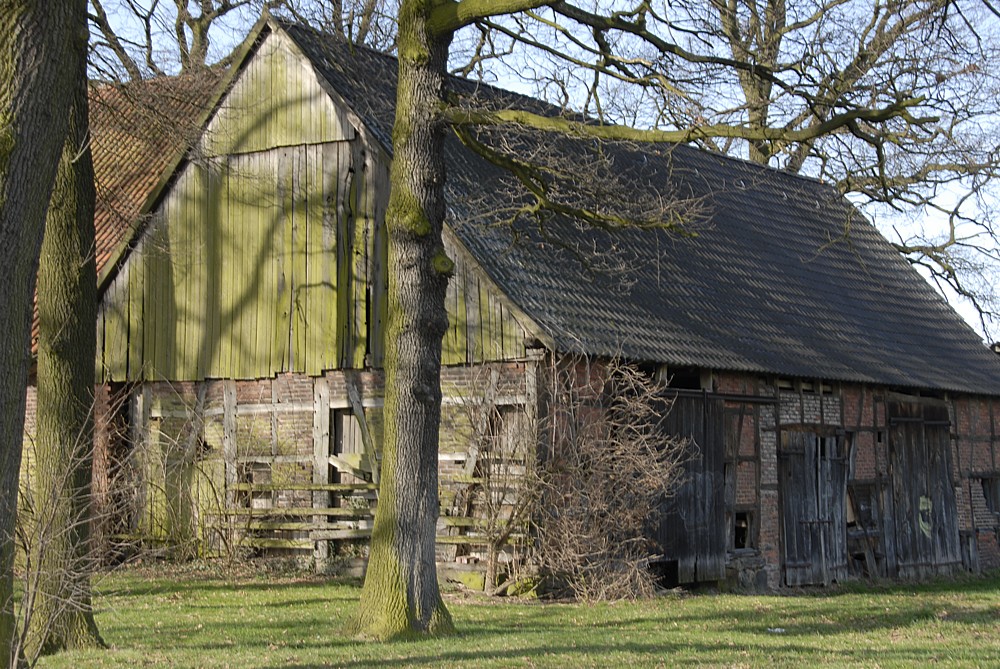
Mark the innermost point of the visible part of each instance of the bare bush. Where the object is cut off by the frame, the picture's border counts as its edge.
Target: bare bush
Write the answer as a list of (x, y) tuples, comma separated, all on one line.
[(501, 462), (56, 556), (608, 462)]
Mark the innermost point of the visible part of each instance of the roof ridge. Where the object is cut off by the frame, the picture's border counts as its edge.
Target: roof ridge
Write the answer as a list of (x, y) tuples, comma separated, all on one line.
[(556, 110)]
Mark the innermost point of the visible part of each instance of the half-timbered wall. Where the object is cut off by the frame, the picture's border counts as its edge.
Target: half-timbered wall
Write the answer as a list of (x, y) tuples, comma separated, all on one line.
[(287, 464), (887, 453)]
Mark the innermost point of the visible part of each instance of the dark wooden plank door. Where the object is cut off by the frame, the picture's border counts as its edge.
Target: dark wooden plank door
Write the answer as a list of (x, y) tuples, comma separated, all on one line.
[(690, 527), (812, 475), (925, 521)]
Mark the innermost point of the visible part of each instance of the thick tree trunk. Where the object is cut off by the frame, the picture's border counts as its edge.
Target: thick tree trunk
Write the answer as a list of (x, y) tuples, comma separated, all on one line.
[(40, 45), (400, 596), (59, 557)]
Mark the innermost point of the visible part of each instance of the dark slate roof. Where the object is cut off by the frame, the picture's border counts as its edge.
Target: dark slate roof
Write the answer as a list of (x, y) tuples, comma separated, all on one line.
[(771, 283)]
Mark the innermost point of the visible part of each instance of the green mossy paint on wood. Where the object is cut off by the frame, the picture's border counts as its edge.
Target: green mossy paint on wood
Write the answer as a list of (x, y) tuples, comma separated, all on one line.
[(276, 101)]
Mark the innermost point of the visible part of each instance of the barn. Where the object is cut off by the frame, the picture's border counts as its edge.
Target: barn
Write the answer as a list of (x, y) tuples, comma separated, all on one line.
[(847, 419)]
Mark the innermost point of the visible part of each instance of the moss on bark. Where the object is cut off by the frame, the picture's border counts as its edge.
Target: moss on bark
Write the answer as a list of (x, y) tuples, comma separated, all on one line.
[(401, 598)]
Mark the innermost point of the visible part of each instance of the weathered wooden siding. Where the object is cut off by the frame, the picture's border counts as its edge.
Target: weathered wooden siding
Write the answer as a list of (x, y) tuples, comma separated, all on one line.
[(924, 521), (276, 101), (482, 326), (690, 527), (812, 472), (267, 253), (254, 264)]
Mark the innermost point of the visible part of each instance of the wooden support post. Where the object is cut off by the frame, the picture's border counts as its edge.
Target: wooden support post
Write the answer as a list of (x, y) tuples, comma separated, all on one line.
[(140, 454), (321, 468), (229, 439)]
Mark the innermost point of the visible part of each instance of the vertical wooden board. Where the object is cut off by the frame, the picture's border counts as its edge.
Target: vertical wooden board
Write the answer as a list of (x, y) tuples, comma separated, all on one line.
[(945, 524), (449, 346), (211, 240), (240, 205), (227, 269), (311, 285), (136, 316), (109, 320), (128, 311), (246, 246), (253, 296), (315, 291), (184, 258), (513, 336), (345, 227), (484, 341), (361, 250), (263, 217), (151, 294), (300, 257), (288, 230), (378, 274), (253, 180), (238, 188), (156, 331), (328, 225), (194, 277), (269, 224), (99, 373), (186, 266), (461, 282), (279, 349), (114, 319), (498, 326), (473, 333)]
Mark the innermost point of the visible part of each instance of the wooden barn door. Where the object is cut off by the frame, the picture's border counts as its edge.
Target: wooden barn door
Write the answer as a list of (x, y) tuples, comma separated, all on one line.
[(812, 475), (691, 527), (924, 517)]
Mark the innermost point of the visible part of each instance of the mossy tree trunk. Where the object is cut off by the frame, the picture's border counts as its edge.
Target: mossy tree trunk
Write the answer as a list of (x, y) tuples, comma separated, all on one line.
[(400, 596), (41, 43), (59, 557)]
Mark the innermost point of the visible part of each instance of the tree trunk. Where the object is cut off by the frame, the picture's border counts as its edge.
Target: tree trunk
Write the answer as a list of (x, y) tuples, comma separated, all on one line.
[(40, 45), (60, 559), (400, 596)]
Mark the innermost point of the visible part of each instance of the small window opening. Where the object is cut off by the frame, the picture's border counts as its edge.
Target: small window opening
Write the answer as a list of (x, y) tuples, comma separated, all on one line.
[(991, 491), (743, 530)]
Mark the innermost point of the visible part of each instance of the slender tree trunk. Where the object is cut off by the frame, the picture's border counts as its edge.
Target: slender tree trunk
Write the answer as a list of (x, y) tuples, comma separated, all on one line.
[(400, 596), (40, 44), (60, 560)]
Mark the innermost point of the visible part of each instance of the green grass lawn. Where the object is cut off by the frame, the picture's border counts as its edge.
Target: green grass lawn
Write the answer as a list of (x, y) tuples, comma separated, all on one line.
[(153, 618)]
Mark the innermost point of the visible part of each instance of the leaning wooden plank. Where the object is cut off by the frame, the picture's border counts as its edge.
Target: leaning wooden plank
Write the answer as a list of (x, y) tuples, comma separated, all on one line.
[(356, 464), (338, 512), (366, 436), (340, 488), (473, 540), (274, 459), (285, 526), (320, 535), (294, 544)]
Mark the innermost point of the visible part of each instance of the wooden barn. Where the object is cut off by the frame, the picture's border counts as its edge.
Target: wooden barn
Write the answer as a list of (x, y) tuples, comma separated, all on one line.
[(847, 419)]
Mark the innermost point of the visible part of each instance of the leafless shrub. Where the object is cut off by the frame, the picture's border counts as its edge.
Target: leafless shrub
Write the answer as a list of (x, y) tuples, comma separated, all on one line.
[(608, 461), (501, 467), (56, 560)]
